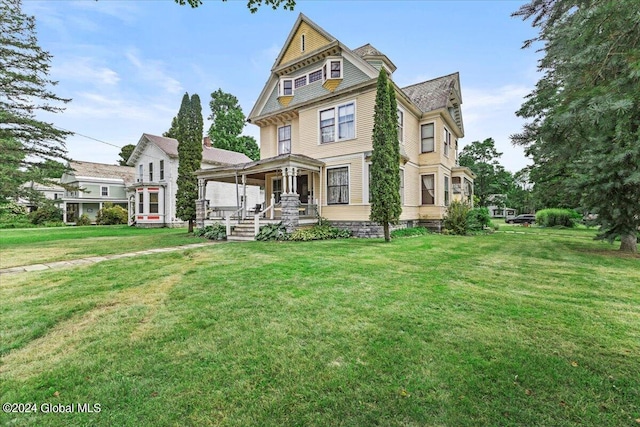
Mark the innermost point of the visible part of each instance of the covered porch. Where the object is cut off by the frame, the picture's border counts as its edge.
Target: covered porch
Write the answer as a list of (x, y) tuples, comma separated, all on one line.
[(292, 189)]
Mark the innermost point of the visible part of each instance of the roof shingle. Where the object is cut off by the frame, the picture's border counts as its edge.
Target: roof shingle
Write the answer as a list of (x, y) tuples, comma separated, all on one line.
[(209, 154), (101, 170), (432, 94)]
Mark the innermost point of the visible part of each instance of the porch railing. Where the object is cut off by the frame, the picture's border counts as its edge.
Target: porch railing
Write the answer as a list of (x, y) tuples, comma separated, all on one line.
[(228, 219)]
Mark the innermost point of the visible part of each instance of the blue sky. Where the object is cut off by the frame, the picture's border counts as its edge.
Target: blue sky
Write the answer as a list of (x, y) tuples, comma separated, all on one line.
[(127, 63)]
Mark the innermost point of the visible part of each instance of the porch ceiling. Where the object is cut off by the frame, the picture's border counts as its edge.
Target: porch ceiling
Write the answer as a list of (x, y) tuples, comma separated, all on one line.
[(256, 171)]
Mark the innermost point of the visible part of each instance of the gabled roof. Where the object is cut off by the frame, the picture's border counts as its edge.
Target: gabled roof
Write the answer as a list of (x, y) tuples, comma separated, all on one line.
[(101, 170), (296, 25), (169, 146), (432, 94), (367, 50)]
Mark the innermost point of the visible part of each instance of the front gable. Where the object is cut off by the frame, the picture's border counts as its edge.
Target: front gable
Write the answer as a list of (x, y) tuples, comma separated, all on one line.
[(305, 39)]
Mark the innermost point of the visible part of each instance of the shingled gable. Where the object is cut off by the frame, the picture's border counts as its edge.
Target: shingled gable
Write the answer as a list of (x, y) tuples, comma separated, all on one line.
[(368, 52), (312, 25), (210, 155), (436, 93), (101, 170)]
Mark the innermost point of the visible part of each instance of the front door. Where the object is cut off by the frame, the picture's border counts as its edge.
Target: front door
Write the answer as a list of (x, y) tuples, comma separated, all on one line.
[(303, 188)]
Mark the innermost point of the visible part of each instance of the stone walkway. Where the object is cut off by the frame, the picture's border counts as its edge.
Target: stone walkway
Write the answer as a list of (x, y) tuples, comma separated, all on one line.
[(94, 259)]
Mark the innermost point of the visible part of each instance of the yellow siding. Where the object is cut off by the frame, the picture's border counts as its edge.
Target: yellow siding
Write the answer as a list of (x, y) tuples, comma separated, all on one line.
[(313, 40), (268, 142), (284, 100), (309, 128), (332, 84)]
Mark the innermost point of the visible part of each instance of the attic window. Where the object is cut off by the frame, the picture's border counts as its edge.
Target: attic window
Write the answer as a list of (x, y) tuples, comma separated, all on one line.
[(332, 69), (286, 87), (302, 44)]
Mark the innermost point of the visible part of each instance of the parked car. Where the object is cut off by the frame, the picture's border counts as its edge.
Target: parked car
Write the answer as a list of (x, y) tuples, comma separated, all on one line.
[(522, 219)]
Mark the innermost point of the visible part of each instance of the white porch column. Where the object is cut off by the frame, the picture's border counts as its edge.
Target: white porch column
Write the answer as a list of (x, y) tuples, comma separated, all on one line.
[(290, 180), (64, 211), (294, 174), (244, 196), (284, 181)]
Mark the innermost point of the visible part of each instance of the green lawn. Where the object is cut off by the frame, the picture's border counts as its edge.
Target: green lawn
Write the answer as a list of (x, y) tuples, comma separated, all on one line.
[(37, 245), (507, 329)]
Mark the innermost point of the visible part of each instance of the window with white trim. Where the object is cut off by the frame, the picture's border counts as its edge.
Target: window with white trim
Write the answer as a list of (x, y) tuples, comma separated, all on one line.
[(427, 138), (400, 125), (338, 186), (161, 170), (151, 172), (284, 139), (300, 81), (402, 186), (277, 189), (315, 76), (104, 191), (336, 69), (427, 185), (140, 172), (446, 191), (447, 141), (346, 123), (285, 88), (153, 202), (141, 202)]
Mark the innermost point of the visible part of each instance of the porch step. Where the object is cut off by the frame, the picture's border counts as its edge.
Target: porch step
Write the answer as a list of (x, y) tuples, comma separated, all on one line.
[(243, 231)]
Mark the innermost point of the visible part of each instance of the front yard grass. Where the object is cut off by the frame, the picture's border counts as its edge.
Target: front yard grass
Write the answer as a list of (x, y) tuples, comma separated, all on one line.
[(503, 329), (40, 245)]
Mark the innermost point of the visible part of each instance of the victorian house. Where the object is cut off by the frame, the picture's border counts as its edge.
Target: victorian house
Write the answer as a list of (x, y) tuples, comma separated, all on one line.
[(315, 115)]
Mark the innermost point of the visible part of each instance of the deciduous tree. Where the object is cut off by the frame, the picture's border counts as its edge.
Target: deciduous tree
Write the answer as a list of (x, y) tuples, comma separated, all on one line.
[(253, 5), (585, 110), (125, 153), (385, 158), (228, 121)]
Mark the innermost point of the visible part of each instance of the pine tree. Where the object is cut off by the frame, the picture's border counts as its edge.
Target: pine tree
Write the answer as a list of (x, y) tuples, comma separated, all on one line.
[(385, 159), (585, 110), (24, 91), (187, 128)]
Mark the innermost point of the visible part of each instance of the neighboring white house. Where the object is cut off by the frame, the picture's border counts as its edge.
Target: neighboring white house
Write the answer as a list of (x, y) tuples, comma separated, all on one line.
[(97, 184), (48, 191), (153, 193), (497, 209)]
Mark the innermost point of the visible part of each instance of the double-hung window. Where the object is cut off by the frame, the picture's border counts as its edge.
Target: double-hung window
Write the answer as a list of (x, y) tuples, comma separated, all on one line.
[(161, 170), (327, 125), (338, 186), (426, 138), (141, 202), (446, 191), (336, 67), (277, 189), (447, 141), (428, 189), (400, 125), (151, 172), (153, 203), (104, 191), (140, 172), (346, 123), (285, 88), (284, 139)]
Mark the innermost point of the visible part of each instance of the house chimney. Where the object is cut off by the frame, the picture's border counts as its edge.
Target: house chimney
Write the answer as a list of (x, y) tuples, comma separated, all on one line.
[(206, 141)]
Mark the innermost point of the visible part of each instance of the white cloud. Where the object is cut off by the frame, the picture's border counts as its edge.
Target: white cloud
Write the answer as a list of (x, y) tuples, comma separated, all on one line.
[(490, 113), (153, 71), (84, 70)]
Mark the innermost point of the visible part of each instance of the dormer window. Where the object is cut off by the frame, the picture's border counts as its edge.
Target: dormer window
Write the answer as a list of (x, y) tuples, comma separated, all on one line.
[(286, 87), (336, 69)]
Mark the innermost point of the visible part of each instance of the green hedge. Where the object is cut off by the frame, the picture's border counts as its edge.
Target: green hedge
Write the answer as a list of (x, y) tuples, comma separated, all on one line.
[(557, 218)]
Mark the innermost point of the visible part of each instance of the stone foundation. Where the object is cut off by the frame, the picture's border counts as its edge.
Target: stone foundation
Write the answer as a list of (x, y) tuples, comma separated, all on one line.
[(374, 230), (290, 213)]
